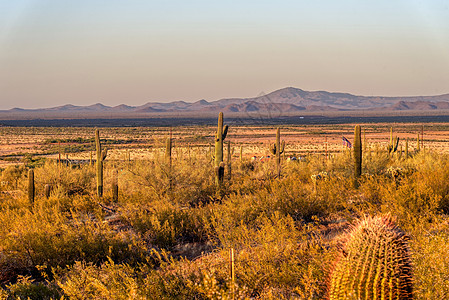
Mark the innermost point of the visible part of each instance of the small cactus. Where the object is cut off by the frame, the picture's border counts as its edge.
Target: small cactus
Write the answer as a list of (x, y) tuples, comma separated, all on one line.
[(357, 155), (394, 143), (374, 263), (101, 156), (47, 190), (222, 131), (277, 149), (31, 187)]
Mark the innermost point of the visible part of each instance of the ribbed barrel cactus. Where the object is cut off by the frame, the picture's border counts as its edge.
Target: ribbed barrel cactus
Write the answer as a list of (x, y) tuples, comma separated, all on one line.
[(374, 263)]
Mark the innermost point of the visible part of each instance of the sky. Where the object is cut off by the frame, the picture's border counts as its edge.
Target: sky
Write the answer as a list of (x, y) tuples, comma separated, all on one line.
[(88, 51)]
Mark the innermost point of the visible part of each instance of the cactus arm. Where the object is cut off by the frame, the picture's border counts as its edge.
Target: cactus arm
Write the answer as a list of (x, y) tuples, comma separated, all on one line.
[(396, 145), (225, 132), (104, 153), (273, 149), (282, 147)]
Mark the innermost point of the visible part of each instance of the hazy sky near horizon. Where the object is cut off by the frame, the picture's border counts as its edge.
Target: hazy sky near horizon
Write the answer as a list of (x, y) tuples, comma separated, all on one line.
[(87, 51)]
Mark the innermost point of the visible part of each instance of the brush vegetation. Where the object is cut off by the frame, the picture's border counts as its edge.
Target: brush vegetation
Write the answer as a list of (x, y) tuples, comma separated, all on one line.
[(168, 233)]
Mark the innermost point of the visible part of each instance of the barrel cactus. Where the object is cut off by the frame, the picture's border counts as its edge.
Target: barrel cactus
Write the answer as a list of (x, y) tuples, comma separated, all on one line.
[(374, 263)]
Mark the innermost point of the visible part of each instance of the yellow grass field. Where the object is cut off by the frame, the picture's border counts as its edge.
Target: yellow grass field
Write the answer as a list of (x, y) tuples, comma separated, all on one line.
[(167, 227)]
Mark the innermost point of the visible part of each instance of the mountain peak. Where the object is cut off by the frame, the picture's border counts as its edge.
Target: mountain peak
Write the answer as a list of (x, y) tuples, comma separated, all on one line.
[(281, 101)]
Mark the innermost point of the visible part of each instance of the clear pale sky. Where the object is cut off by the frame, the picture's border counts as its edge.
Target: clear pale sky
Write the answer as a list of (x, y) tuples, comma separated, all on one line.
[(55, 52)]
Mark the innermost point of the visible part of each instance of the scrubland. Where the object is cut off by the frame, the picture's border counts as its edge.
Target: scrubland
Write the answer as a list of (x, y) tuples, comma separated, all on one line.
[(170, 233)]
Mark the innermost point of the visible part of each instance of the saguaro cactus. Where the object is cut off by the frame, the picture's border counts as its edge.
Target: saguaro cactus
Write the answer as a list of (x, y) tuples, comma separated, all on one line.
[(222, 131), (31, 188), (168, 150), (277, 149), (357, 155), (394, 143), (101, 156), (374, 263)]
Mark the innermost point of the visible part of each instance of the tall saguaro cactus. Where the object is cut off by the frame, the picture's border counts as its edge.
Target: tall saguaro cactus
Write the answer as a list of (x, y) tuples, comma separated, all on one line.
[(222, 131), (31, 187), (374, 263), (277, 149), (101, 156), (357, 155)]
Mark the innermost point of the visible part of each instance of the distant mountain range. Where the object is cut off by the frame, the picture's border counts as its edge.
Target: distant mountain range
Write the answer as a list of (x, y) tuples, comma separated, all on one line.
[(286, 101)]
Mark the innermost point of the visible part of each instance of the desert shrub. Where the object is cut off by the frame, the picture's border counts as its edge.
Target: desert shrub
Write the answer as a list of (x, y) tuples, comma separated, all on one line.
[(47, 236), (431, 264), (273, 256), (12, 176), (108, 281), (26, 288), (164, 224), (284, 230), (185, 184), (69, 181)]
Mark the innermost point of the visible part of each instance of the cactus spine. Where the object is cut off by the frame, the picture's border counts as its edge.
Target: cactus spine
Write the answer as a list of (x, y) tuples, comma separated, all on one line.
[(101, 156), (357, 155), (222, 131), (277, 149), (373, 264), (31, 187)]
